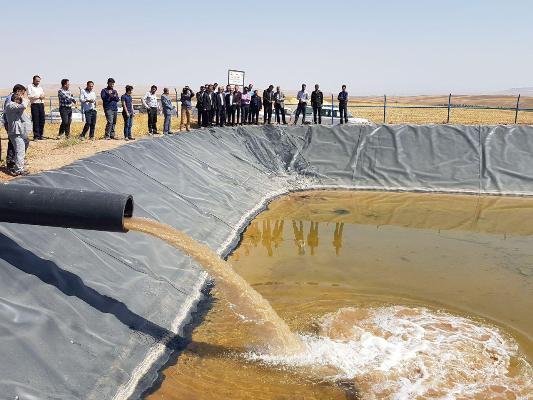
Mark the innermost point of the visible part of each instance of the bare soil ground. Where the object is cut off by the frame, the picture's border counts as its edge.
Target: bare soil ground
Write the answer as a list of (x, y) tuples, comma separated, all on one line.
[(51, 153)]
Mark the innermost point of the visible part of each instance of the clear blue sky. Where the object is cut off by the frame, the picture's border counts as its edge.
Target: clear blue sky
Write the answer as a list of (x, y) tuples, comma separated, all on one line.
[(376, 47)]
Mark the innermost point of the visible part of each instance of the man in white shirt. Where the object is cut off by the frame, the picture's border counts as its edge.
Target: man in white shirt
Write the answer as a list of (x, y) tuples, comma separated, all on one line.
[(150, 103), (36, 97), (302, 97), (88, 107)]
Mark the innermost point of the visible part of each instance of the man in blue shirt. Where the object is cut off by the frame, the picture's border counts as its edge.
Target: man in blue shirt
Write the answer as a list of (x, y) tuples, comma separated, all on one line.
[(127, 112), (343, 104), (110, 99)]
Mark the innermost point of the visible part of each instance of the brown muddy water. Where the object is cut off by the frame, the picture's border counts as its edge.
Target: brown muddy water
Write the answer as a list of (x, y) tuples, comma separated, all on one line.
[(392, 296)]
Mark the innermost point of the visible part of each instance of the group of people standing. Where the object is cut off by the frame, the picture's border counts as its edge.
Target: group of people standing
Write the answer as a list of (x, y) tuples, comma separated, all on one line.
[(18, 124), (233, 107), (215, 106), (317, 102)]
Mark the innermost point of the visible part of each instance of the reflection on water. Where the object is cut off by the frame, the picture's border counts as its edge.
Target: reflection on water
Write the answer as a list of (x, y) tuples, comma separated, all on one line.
[(271, 236), (407, 295), (337, 237)]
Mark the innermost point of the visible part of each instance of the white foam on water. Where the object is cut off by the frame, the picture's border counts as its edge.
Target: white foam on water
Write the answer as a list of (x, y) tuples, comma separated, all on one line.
[(404, 353)]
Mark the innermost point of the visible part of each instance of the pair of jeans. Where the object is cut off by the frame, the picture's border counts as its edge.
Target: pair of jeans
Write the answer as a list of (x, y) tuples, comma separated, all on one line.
[(152, 120), (245, 111), (38, 117), (128, 122), (166, 123), (280, 110), (267, 113), (317, 110), (66, 120), (111, 118), (90, 123), (302, 109), (20, 145), (343, 110)]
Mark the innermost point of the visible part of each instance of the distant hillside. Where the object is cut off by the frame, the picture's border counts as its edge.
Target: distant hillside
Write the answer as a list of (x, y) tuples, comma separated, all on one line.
[(524, 91)]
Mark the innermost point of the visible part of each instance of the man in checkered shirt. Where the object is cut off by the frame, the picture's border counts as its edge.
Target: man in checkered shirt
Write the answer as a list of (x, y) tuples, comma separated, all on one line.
[(66, 99)]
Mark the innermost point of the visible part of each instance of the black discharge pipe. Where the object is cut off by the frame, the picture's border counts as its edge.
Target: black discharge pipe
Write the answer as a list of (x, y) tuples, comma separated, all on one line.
[(66, 208)]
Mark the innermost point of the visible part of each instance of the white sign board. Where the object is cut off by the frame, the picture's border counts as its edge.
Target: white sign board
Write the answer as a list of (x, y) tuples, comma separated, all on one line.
[(235, 77)]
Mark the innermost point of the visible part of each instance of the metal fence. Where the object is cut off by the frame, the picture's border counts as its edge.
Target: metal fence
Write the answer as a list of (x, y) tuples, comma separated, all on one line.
[(398, 110)]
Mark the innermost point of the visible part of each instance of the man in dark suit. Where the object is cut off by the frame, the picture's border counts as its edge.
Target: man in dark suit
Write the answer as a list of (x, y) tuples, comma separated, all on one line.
[(268, 102), (230, 107), (208, 106), (199, 105), (220, 107), (255, 107), (317, 99)]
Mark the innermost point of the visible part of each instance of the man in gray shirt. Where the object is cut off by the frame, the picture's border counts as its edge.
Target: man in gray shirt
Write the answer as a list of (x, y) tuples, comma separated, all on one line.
[(19, 126), (10, 157), (166, 104)]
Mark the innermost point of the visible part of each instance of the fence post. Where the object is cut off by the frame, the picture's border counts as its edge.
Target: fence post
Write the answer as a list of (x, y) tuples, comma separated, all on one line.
[(384, 108), (50, 99), (177, 104), (331, 108), (449, 106), (517, 108)]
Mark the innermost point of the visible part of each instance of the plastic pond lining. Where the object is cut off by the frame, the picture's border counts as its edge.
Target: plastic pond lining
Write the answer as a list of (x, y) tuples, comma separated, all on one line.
[(90, 315)]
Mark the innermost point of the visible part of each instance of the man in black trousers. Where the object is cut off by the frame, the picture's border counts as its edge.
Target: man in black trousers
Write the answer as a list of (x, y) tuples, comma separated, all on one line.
[(199, 105), (343, 104), (279, 105), (208, 106), (230, 107), (36, 96), (220, 107), (317, 99), (255, 107), (268, 102)]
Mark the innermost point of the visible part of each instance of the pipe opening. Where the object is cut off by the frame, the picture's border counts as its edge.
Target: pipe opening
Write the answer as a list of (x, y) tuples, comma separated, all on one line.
[(128, 208)]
